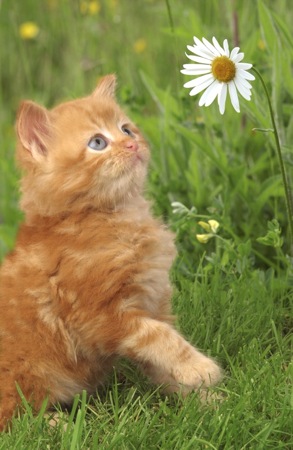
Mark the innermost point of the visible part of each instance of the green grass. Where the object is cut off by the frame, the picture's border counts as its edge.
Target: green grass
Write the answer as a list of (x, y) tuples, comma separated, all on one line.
[(233, 296)]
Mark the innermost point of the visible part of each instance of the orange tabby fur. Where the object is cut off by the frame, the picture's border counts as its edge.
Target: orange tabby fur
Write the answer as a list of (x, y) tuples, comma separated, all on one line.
[(88, 279)]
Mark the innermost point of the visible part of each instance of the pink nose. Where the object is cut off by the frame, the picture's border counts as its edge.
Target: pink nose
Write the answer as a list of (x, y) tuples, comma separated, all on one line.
[(131, 145)]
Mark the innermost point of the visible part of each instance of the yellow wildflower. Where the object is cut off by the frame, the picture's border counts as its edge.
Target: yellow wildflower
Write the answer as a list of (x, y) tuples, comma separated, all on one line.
[(205, 226), (28, 30), (94, 8), (90, 7), (210, 226), (214, 225), (140, 45), (204, 238)]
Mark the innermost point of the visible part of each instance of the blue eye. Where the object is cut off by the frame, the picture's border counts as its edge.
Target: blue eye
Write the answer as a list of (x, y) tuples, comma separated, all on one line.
[(127, 131), (97, 143)]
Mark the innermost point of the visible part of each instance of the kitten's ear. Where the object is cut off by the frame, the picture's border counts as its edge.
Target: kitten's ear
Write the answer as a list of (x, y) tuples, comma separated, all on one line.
[(33, 129), (106, 87)]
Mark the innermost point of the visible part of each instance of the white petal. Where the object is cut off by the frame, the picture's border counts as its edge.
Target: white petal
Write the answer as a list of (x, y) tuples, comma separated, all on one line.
[(201, 87), (234, 52), (197, 66), (191, 83), (242, 81), (205, 53), (198, 59), (198, 81), (244, 74), (238, 58), (201, 52), (210, 47), (206, 46), (222, 97), (210, 94), (196, 71), (244, 66), (242, 90), (226, 47), (192, 48), (197, 41), (234, 96), (218, 47)]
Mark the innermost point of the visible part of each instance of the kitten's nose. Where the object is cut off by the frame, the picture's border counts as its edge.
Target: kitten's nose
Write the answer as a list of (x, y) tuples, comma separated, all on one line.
[(131, 145)]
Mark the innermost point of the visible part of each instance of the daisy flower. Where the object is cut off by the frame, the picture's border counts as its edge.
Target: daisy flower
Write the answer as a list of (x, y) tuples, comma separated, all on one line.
[(220, 72)]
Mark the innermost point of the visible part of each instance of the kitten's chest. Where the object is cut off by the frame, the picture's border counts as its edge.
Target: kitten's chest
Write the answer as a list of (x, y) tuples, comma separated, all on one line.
[(125, 242), (98, 248), (85, 264), (132, 262), (117, 255)]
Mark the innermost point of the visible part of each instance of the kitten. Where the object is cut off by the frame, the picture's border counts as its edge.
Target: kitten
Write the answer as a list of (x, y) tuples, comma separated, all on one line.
[(88, 279)]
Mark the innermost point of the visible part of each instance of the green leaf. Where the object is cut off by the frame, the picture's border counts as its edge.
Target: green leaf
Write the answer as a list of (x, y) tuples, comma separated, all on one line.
[(273, 237), (285, 31), (268, 29), (161, 97)]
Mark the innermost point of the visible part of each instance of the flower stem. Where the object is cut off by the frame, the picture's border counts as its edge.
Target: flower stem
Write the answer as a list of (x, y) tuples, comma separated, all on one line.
[(171, 22), (289, 202)]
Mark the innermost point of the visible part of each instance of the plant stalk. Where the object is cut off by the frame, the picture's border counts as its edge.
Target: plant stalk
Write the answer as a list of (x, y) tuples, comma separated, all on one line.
[(288, 198)]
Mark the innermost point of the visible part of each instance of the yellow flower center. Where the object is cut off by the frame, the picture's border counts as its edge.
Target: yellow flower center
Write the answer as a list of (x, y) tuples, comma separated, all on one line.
[(223, 69)]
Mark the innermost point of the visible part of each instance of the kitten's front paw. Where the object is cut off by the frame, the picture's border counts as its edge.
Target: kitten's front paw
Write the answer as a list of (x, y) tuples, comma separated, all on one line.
[(197, 372)]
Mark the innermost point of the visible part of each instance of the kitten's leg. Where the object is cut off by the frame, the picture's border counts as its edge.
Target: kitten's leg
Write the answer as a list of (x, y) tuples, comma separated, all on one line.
[(10, 402), (7, 410), (167, 358)]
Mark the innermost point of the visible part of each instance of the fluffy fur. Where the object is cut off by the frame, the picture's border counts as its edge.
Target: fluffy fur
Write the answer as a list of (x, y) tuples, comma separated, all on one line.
[(88, 279)]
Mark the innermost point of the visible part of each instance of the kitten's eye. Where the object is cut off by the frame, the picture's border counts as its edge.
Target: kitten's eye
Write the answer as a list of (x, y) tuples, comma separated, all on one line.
[(97, 143), (127, 131)]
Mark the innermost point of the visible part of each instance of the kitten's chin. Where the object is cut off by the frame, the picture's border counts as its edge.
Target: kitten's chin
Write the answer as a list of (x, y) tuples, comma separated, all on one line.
[(127, 169), (116, 187)]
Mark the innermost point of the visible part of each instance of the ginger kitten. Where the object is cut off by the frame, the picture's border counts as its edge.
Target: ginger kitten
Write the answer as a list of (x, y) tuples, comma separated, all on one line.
[(88, 279)]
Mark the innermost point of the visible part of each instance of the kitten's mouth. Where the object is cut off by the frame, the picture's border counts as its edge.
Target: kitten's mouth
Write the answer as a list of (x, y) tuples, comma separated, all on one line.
[(140, 156)]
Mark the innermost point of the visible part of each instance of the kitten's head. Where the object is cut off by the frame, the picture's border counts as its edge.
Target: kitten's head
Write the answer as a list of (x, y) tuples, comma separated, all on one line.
[(85, 153)]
